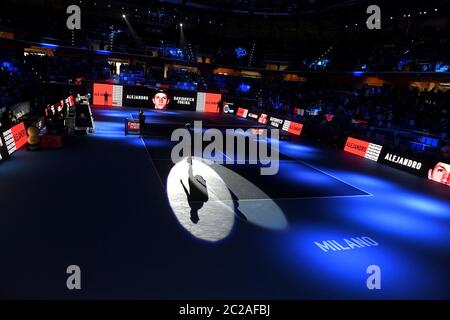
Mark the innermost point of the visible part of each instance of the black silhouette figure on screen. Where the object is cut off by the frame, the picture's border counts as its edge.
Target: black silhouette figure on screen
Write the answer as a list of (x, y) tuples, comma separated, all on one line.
[(106, 95), (197, 195), (221, 106)]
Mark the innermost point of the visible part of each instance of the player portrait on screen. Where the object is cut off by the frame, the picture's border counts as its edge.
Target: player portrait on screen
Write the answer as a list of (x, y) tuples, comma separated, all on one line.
[(161, 100), (263, 119), (440, 173)]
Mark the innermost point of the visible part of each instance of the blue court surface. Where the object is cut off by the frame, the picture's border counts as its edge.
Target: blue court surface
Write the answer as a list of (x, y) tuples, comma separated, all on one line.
[(118, 207)]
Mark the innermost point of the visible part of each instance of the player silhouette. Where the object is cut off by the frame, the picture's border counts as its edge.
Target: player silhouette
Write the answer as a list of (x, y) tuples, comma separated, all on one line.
[(106, 95), (197, 195)]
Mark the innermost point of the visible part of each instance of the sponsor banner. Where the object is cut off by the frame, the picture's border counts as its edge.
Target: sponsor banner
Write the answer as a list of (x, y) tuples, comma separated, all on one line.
[(435, 171), (356, 147), (253, 116), (107, 95), (179, 100), (208, 102), (136, 96), (9, 142), (228, 107), (201, 101), (212, 102), (276, 122), (373, 152), (163, 99), (313, 112), (132, 126), (263, 118), (298, 111), (20, 135), (70, 101), (241, 112), (363, 149), (404, 162), (292, 127), (15, 138)]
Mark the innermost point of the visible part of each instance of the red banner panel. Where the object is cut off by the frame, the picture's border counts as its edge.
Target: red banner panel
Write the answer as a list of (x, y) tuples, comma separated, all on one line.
[(292, 127), (107, 95), (15, 138), (20, 135), (103, 94), (363, 149), (241, 112), (298, 111), (212, 102), (133, 125), (70, 101), (357, 147)]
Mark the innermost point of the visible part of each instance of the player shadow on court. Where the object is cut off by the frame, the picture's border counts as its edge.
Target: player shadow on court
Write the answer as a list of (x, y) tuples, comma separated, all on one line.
[(197, 195), (236, 206)]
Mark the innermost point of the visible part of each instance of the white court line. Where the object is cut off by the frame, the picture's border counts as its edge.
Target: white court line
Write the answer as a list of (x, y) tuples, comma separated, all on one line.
[(298, 198), (151, 160), (328, 174)]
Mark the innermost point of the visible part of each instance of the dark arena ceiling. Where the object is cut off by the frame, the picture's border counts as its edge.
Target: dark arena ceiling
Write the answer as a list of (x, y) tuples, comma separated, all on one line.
[(264, 7), (276, 7), (240, 7), (261, 7)]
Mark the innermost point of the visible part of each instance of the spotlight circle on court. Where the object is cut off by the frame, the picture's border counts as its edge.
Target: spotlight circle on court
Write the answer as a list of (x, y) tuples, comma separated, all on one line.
[(211, 219)]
